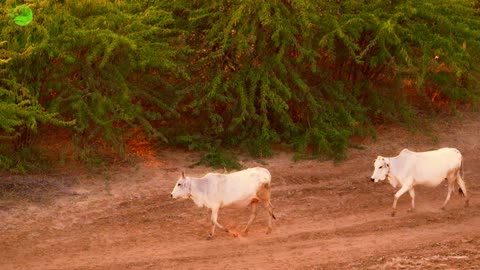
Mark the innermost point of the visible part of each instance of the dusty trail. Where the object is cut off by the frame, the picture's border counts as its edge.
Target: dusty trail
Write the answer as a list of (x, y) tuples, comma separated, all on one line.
[(328, 217)]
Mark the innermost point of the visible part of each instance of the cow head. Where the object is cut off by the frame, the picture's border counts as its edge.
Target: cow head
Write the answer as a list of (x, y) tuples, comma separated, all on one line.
[(181, 188), (381, 169)]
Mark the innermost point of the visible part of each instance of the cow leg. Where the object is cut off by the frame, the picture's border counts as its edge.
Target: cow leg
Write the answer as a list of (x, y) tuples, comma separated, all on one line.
[(252, 216), (271, 216), (412, 195), (212, 232), (397, 195), (264, 195), (451, 187), (463, 188), (215, 223)]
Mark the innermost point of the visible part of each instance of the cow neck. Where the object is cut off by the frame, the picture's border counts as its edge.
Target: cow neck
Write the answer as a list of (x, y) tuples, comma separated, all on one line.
[(392, 179), (189, 187), (389, 166), (195, 198)]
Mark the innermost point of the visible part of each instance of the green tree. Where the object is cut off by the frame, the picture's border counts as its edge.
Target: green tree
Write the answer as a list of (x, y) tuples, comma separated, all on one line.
[(104, 63), (425, 42), (314, 73), (253, 75), (248, 74), (20, 110)]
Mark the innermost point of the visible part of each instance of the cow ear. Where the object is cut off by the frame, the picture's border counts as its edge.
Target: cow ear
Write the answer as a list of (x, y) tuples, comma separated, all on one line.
[(183, 174)]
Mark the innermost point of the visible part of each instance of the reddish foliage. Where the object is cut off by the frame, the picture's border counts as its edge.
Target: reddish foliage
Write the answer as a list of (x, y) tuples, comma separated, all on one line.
[(140, 145), (430, 90)]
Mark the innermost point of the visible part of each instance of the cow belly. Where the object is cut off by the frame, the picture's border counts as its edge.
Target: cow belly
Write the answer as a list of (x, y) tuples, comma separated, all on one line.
[(241, 203), (431, 179), (239, 193)]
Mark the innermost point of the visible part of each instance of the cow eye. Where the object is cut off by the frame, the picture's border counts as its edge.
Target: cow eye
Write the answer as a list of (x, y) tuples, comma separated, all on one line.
[(179, 184), (381, 167)]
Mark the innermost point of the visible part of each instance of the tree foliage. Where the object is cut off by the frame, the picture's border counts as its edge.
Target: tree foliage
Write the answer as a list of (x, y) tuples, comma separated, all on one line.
[(98, 63), (20, 110), (314, 73), (252, 74)]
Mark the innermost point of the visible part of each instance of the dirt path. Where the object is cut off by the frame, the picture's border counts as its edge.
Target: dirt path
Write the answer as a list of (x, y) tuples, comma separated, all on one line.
[(328, 217)]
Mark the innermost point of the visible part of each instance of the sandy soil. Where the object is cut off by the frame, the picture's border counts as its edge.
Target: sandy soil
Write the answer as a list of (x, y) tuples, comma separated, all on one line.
[(329, 216)]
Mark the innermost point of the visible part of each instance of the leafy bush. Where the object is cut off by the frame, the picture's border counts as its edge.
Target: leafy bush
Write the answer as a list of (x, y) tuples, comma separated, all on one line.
[(225, 74), (218, 158)]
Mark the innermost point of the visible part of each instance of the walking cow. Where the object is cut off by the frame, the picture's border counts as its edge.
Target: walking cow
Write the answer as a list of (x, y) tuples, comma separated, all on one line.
[(409, 169), (238, 189)]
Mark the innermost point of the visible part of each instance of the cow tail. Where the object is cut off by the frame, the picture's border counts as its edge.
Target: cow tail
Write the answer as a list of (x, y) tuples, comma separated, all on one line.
[(461, 166), (462, 173), (271, 210)]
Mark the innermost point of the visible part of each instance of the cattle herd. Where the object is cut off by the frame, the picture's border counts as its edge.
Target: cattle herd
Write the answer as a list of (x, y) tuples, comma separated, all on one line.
[(252, 186)]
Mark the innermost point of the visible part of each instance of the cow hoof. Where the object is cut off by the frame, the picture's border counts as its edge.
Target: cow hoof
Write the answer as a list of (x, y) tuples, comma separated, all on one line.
[(393, 213), (210, 237), (467, 203), (269, 231), (411, 210)]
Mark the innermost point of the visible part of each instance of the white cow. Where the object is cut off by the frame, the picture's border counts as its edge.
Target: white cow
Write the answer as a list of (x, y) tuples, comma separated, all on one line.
[(238, 189), (409, 169)]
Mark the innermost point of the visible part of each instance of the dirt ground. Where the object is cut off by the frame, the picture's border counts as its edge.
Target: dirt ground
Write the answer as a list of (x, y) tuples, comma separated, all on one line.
[(329, 216)]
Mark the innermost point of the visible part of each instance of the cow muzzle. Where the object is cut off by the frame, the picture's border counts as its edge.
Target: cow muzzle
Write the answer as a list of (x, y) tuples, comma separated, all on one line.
[(372, 179)]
